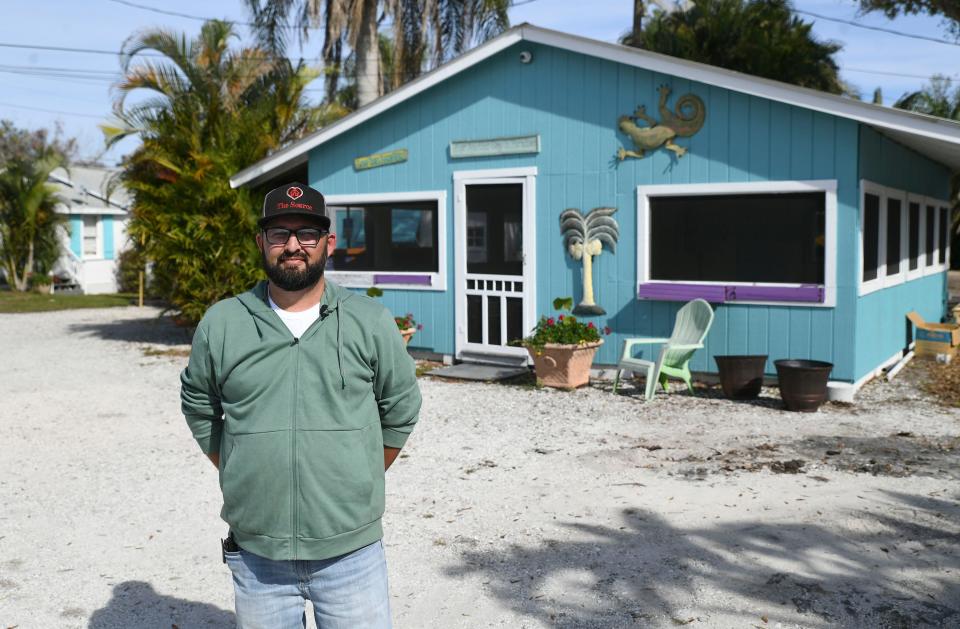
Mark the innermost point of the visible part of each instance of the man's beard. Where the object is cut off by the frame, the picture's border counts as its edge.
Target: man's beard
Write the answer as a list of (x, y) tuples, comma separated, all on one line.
[(295, 279)]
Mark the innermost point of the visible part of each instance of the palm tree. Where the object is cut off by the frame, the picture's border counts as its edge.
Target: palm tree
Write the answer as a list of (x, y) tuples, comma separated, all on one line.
[(425, 34), (938, 98), (758, 37), (208, 112), (28, 220), (584, 237)]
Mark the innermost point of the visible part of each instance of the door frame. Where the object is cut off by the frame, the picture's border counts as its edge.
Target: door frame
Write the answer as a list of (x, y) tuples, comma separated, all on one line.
[(527, 177)]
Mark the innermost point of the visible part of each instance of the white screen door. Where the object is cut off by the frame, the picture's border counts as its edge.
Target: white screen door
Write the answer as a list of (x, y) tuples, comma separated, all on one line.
[(494, 266)]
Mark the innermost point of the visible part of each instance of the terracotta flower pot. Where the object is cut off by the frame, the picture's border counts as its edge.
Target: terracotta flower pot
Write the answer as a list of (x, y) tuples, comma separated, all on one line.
[(408, 334), (564, 366), (803, 383)]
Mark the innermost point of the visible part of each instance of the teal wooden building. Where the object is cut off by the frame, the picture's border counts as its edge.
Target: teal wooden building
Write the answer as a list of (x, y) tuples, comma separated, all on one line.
[(812, 222)]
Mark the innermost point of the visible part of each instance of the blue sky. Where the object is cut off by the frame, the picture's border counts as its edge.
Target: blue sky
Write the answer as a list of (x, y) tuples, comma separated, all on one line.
[(869, 59)]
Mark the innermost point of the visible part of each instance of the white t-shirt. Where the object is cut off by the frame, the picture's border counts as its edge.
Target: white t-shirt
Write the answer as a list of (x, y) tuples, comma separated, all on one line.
[(297, 322)]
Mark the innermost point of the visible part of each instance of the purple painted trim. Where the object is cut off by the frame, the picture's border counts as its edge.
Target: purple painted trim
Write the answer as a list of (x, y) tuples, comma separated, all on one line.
[(808, 294), (682, 292), (719, 294), (419, 280)]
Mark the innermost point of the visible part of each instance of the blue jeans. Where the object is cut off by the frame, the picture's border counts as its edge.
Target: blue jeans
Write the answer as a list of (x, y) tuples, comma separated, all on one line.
[(347, 592)]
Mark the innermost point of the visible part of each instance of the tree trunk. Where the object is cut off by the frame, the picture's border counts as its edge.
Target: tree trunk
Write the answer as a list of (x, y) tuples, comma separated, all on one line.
[(637, 20), (10, 266), (368, 55), (332, 55), (587, 280), (24, 283)]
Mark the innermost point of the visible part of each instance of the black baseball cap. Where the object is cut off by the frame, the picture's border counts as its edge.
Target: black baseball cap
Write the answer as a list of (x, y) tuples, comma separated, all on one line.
[(295, 199)]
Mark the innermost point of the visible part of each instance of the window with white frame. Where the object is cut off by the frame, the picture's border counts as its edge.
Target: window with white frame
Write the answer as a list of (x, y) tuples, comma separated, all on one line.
[(914, 238), (91, 236), (943, 236), (767, 242), (903, 236), (388, 239)]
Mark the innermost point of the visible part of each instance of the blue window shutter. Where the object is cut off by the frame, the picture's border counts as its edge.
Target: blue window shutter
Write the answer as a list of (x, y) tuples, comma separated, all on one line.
[(76, 235), (107, 221)]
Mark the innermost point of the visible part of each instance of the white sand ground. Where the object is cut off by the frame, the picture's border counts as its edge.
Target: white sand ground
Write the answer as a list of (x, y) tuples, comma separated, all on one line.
[(511, 506)]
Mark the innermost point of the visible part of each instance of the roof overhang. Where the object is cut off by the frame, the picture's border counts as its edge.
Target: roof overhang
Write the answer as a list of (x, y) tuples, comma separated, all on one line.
[(933, 137)]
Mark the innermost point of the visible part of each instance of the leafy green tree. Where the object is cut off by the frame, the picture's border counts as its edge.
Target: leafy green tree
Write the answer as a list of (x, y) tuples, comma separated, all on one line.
[(758, 37), (948, 9), (29, 238), (205, 112)]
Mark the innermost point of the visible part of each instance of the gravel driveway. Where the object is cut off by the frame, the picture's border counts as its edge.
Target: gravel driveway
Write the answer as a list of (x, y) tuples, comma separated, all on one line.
[(511, 506)]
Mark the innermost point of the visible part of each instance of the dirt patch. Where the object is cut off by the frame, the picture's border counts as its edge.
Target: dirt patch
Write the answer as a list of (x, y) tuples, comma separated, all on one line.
[(941, 380)]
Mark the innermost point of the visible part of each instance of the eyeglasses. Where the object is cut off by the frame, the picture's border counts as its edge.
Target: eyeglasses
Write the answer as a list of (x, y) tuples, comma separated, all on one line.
[(306, 236)]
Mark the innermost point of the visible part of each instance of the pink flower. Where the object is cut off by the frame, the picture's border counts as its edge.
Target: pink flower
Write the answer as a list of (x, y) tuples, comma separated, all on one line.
[(550, 321), (590, 325), (606, 329)]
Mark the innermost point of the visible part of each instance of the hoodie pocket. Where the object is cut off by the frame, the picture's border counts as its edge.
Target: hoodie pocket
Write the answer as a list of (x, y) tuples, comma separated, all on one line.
[(256, 483), (341, 480)]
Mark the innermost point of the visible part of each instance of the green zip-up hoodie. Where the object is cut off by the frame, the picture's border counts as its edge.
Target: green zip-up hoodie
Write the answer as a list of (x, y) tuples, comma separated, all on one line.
[(300, 424)]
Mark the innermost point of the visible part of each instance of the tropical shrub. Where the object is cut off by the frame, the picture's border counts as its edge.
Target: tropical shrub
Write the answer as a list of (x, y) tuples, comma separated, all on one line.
[(29, 238)]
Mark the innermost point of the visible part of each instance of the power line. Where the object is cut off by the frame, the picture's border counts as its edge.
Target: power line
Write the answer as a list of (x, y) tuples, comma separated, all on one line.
[(877, 28), (173, 13), (53, 111), (903, 74)]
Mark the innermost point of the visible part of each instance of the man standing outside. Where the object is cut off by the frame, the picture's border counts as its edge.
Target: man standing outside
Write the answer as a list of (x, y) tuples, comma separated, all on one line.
[(302, 394)]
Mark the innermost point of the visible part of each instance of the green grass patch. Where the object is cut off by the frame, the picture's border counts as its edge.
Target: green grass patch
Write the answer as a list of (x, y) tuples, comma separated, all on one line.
[(13, 301)]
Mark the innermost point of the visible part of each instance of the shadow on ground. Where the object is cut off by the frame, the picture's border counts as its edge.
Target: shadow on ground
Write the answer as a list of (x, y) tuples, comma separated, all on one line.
[(886, 571), (155, 330), (137, 604)]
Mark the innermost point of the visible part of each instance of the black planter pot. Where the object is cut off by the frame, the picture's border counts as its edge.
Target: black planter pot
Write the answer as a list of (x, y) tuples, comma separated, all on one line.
[(803, 383), (741, 377)]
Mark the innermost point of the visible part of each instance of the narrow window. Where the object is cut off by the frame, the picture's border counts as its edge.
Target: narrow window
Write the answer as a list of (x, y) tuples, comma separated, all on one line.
[(914, 242), (871, 236), (943, 235), (893, 236), (931, 230)]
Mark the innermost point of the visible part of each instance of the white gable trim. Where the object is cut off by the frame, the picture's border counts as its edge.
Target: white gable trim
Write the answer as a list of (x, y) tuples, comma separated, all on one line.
[(944, 133)]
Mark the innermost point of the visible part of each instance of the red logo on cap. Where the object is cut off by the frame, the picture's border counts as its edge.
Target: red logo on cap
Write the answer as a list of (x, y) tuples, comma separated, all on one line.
[(294, 192)]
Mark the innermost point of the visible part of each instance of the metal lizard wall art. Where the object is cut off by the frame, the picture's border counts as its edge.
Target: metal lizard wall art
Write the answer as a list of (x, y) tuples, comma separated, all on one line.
[(686, 119)]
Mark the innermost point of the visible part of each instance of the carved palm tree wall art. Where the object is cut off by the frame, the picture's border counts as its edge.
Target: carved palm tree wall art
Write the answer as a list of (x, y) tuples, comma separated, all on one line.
[(584, 238)]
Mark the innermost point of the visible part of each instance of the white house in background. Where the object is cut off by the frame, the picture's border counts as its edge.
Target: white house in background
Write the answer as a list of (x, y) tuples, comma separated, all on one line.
[(97, 229)]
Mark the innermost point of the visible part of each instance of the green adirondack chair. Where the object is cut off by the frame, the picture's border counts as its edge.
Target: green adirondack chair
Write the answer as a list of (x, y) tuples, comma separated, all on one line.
[(689, 329)]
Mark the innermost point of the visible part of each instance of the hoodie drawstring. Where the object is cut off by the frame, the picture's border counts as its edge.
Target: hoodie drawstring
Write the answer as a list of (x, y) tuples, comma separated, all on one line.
[(343, 381)]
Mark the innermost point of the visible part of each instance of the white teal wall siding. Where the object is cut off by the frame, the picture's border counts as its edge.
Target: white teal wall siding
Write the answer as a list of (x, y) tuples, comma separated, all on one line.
[(881, 328), (573, 102)]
